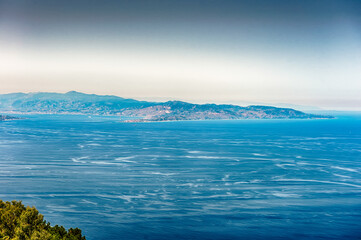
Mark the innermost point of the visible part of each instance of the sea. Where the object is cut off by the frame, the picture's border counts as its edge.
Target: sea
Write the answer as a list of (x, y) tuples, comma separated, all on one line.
[(230, 179)]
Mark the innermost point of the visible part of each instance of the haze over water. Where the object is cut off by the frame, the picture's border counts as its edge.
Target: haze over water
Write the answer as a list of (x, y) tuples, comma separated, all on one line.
[(224, 51), (246, 179)]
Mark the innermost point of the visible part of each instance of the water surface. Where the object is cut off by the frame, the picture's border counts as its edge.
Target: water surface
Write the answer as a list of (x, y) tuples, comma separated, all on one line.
[(246, 179)]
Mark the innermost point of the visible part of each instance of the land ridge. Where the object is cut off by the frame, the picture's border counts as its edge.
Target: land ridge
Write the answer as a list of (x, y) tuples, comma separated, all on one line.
[(139, 111)]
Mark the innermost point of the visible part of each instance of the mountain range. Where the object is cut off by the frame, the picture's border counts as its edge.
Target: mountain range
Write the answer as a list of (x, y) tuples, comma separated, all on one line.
[(138, 111)]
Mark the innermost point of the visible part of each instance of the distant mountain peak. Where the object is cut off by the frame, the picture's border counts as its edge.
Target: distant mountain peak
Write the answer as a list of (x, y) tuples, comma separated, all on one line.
[(176, 102), (73, 92)]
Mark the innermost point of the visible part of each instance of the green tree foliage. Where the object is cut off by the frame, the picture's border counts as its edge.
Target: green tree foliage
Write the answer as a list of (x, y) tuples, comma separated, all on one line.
[(18, 222)]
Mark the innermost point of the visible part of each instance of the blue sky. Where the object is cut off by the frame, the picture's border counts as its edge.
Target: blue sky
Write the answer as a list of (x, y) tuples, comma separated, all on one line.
[(297, 52)]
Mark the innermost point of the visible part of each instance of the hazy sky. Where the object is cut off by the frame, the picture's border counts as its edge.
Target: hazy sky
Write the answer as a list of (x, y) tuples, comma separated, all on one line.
[(299, 52)]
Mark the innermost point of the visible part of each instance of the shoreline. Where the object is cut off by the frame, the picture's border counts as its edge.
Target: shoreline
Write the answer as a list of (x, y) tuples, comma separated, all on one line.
[(140, 120)]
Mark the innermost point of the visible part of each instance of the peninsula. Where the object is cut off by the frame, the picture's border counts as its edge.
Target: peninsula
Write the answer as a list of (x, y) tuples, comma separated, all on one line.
[(139, 111)]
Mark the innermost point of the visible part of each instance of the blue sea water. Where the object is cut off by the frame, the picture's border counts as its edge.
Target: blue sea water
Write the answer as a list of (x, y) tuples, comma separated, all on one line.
[(245, 179)]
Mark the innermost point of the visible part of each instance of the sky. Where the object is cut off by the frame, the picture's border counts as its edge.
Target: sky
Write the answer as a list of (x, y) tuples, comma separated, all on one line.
[(261, 51)]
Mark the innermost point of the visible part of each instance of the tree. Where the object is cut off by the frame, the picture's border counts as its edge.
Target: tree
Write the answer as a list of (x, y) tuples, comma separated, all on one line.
[(18, 222)]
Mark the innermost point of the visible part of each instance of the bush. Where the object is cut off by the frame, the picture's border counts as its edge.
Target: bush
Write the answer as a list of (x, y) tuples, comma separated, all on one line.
[(18, 222)]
